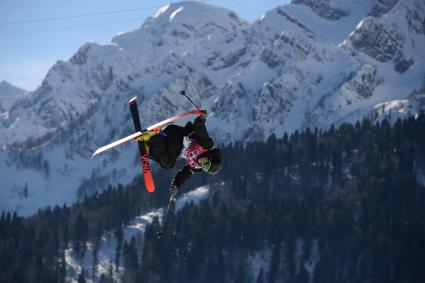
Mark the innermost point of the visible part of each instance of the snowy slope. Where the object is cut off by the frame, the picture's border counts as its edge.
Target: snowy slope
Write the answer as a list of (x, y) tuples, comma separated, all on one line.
[(389, 48), (105, 263), (307, 64)]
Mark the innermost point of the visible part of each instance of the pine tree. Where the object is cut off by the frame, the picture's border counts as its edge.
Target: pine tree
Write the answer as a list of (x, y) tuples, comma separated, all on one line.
[(82, 277), (241, 276), (274, 264), (260, 278)]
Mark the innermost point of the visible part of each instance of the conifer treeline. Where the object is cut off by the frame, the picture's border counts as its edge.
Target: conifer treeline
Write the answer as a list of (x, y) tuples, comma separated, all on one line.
[(32, 249), (351, 191)]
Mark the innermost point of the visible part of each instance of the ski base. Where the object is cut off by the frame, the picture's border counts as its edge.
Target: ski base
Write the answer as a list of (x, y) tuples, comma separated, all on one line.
[(147, 173), (143, 149)]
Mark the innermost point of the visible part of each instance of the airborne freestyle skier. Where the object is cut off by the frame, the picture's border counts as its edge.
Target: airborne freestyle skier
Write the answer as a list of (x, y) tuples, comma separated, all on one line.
[(165, 146), (193, 140)]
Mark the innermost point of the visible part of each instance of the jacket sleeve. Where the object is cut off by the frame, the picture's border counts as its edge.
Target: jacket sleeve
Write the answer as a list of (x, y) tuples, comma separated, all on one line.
[(200, 134), (184, 174)]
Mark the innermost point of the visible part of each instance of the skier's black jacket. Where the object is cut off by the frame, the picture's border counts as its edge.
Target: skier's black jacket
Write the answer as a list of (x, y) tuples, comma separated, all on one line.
[(166, 147)]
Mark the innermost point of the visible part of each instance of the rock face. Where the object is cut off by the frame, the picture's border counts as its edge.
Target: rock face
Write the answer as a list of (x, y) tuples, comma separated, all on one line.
[(378, 40), (324, 9), (381, 7), (306, 64)]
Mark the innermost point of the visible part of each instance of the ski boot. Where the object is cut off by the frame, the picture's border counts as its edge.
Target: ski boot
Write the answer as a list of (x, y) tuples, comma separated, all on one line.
[(146, 136)]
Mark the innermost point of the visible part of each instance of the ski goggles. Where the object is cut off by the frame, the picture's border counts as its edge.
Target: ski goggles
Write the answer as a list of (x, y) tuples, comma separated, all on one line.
[(206, 165)]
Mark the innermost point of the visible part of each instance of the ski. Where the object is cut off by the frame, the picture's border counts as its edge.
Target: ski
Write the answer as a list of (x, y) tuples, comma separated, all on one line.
[(139, 133), (147, 173)]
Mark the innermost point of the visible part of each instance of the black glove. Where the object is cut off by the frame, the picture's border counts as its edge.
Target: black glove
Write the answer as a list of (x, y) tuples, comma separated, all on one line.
[(202, 117), (173, 191)]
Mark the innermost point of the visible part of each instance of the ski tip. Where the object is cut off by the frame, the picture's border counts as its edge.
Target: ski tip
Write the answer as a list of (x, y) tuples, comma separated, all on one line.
[(132, 100), (149, 183), (150, 187)]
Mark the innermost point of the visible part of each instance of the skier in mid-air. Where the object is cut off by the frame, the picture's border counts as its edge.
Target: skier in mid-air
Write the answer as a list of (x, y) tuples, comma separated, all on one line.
[(165, 146), (198, 149)]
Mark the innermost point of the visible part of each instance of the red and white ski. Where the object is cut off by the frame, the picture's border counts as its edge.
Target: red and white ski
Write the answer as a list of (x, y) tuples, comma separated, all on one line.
[(138, 134)]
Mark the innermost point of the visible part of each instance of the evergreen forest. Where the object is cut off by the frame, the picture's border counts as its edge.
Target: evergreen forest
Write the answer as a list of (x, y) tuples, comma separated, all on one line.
[(345, 204)]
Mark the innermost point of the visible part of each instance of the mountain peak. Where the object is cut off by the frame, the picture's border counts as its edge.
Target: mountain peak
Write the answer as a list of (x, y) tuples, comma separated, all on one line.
[(7, 89), (193, 15), (192, 11), (181, 26)]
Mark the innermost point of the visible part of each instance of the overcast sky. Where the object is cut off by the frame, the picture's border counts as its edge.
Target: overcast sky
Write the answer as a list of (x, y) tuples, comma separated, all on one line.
[(35, 34)]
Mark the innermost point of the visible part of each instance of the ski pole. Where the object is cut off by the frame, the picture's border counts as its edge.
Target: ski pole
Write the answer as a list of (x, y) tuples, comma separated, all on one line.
[(183, 92), (164, 221)]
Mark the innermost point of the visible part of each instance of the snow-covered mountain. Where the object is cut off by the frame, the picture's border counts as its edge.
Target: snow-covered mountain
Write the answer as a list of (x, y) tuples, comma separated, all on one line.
[(8, 95), (306, 64)]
